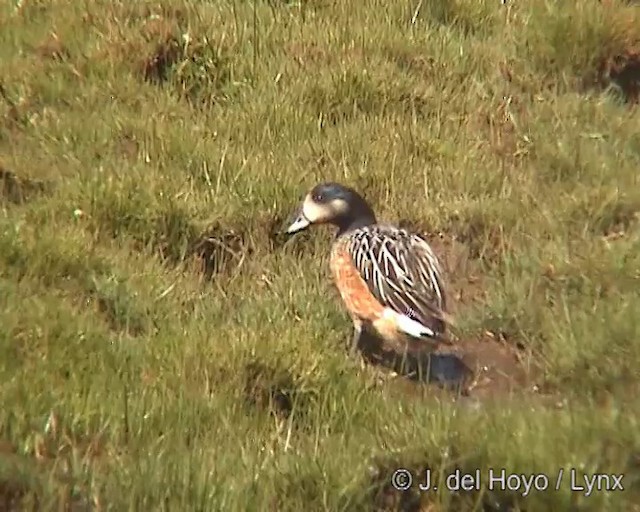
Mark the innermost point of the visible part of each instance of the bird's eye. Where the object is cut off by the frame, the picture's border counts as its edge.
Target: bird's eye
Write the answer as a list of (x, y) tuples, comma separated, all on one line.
[(318, 198)]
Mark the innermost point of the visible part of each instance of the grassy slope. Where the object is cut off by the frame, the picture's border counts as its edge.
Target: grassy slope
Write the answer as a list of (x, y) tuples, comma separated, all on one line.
[(171, 124)]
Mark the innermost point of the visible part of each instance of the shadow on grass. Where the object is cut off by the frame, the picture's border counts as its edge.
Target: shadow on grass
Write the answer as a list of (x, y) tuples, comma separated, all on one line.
[(447, 370), (277, 391), (623, 71), (479, 368), (18, 190), (12, 492)]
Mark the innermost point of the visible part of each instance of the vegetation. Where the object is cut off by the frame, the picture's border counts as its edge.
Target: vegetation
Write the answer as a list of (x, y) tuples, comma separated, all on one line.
[(165, 348)]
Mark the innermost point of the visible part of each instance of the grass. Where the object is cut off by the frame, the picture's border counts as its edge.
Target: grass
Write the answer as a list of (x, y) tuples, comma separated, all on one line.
[(164, 348)]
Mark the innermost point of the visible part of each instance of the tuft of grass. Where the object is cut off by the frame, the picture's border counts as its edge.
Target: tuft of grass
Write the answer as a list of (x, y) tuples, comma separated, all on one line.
[(602, 51), (165, 346), (195, 66)]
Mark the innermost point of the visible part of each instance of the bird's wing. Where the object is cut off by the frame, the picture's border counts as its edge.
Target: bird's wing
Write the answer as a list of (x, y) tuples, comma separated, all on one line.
[(402, 272)]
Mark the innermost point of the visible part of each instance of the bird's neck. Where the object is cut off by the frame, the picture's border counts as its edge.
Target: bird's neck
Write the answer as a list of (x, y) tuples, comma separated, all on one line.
[(347, 225)]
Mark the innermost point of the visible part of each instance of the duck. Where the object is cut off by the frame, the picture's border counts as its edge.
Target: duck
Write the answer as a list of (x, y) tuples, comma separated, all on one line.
[(389, 278)]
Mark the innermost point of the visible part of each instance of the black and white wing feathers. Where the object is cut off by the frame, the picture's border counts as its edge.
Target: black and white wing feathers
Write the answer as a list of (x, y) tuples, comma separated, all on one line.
[(402, 272)]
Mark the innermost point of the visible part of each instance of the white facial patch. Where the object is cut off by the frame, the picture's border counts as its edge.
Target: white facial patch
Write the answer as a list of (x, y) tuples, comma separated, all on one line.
[(339, 206), (319, 213), (312, 211)]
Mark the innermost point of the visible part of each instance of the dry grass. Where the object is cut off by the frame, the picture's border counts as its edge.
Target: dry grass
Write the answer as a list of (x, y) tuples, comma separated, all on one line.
[(165, 348)]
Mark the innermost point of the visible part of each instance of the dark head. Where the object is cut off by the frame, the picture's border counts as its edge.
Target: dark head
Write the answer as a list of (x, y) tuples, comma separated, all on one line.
[(332, 203)]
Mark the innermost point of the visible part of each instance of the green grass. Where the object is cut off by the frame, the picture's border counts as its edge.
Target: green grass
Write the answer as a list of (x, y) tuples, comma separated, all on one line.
[(164, 349)]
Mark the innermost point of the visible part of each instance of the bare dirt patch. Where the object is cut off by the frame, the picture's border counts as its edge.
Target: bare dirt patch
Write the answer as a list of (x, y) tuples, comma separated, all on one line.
[(499, 368), (482, 368)]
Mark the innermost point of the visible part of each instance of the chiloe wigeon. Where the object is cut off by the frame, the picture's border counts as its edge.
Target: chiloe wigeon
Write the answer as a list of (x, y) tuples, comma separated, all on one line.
[(389, 278)]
